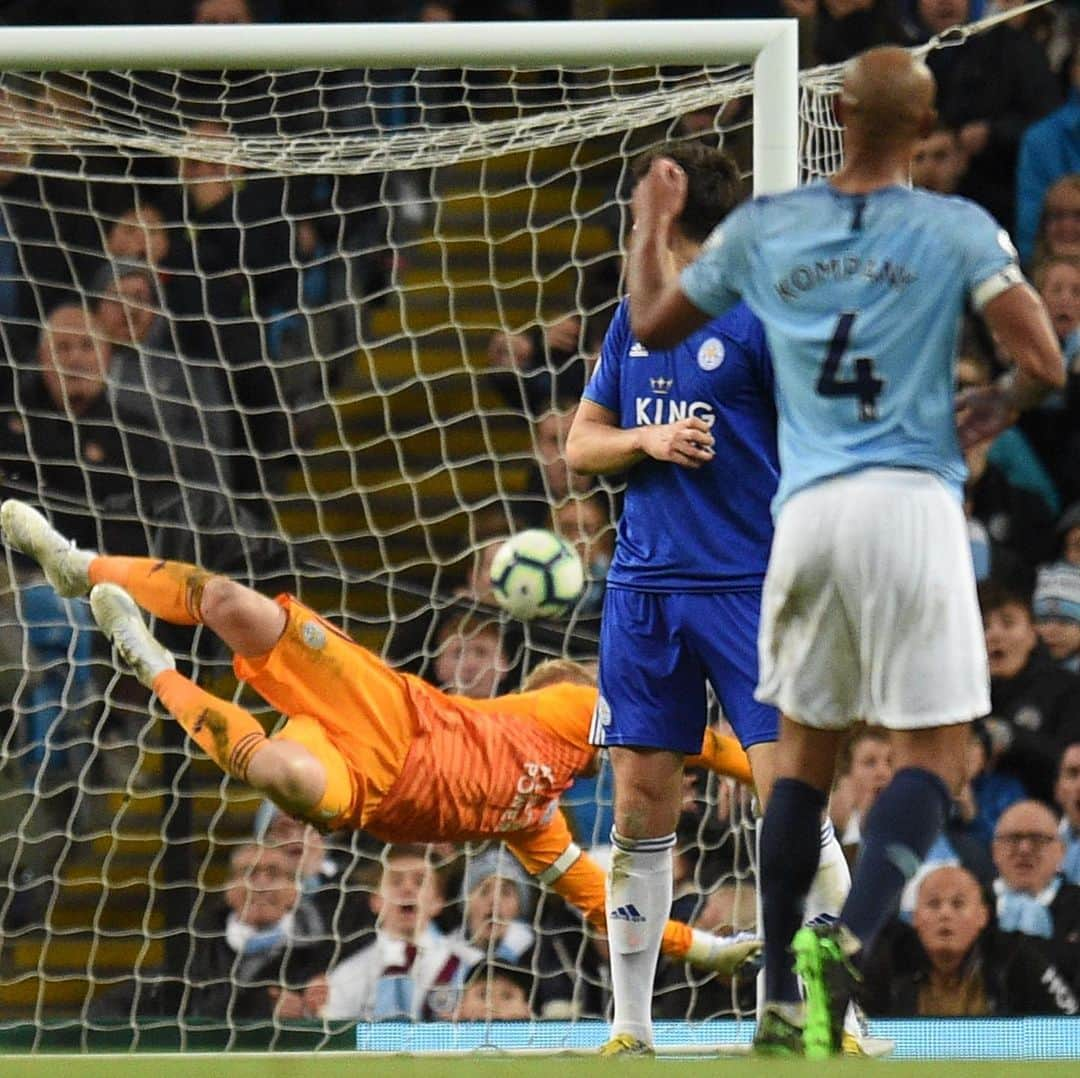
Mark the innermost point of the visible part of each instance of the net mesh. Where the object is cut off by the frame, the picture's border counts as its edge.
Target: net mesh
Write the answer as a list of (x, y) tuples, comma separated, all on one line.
[(339, 319)]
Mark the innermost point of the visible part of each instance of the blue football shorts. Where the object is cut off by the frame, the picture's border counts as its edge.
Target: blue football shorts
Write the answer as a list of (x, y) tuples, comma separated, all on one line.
[(657, 650)]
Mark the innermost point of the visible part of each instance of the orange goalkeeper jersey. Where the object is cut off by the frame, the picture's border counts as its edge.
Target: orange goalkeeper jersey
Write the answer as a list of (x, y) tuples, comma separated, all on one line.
[(425, 766), (414, 764)]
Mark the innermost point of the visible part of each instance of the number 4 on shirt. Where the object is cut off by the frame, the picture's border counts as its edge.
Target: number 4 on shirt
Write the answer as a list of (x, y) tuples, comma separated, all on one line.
[(866, 385)]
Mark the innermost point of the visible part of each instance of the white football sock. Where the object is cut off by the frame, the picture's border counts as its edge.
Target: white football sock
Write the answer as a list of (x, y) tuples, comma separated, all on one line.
[(833, 880), (639, 888)]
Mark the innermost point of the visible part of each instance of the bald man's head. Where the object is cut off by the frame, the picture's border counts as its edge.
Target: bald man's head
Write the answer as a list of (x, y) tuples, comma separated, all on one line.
[(887, 97)]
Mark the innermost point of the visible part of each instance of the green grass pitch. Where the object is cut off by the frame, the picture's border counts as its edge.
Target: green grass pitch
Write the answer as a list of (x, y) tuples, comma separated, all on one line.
[(358, 1065)]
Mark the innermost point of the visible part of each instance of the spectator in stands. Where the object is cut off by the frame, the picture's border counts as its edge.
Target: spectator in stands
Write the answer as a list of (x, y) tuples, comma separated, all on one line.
[(865, 769), (1016, 466), (1032, 897), (1034, 702), (105, 478), (1010, 451), (1051, 28), (141, 234), (496, 992), (410, 970), (706, 851), (989, 114), (249, 100), (843, 28), (806, 12), (1049, 150), (176, 399), (239, 237), (460, 591), (240, 246), (552, 480), (1068, 533), (1053, 428), (586, 522), (1058, 232), (264, 942), (324, 876), (989, 559), (498, 905), (1057, 278), (338, 223), (92, 182), (955, 963), (1014, 517), (986, 793), (478, 574), (497, 901), (65, 446), (533, 369), (222, 13), (47, 244), (300, 842), (1056, 606), (938, 161), (471, 657), (1067, 796), (55, 700)]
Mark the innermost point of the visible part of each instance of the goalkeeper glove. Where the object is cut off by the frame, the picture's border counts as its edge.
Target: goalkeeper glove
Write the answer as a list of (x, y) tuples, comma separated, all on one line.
[(721, 954)]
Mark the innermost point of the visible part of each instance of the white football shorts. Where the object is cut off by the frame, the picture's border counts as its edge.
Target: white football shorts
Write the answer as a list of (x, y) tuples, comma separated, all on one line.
[(869, 608)]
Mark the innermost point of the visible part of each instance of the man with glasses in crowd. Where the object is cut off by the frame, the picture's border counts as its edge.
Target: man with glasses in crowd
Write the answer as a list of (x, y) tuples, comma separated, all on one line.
[(1032, 896)]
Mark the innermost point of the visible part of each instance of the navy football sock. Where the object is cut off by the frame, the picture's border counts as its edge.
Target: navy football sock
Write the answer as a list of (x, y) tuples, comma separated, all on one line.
[(902, 826), (790, 847)]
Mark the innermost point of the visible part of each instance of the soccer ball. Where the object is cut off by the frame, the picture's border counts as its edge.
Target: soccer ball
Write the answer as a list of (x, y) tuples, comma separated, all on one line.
[(536, 574)]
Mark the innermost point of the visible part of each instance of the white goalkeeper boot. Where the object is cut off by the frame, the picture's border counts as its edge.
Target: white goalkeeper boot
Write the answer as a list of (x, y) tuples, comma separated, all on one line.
[(65, 566), (121, 621)]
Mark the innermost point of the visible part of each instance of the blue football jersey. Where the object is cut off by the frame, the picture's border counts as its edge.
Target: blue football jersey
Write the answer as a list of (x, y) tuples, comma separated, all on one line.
[(685, 529), (862, 297)]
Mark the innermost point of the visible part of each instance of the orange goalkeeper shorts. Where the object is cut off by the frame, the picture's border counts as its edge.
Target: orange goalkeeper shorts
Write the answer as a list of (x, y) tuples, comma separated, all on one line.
[(317, 672)]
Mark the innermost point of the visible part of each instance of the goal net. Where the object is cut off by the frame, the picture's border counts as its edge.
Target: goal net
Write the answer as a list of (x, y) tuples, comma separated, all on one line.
[(320, 329)]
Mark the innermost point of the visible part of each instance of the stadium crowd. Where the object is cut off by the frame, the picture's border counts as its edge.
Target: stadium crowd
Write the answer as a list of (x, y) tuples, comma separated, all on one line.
[(191, 329)]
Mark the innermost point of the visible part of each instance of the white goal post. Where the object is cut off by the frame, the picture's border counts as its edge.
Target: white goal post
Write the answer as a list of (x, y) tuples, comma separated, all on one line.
[(769, 45)]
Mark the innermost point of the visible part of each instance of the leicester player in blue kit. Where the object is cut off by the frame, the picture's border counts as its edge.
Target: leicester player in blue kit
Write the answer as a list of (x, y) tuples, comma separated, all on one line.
[(695, 429), (869, 609)]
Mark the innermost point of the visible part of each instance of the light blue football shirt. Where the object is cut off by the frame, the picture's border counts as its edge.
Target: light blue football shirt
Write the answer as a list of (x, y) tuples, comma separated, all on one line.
[(861, 297)]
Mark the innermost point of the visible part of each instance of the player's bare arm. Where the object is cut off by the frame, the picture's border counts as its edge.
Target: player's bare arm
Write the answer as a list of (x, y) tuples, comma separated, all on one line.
[(660, 313), (597, 445), (1018, 318)]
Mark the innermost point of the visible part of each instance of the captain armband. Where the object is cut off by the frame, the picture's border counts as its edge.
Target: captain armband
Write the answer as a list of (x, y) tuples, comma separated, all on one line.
[(994, 285)]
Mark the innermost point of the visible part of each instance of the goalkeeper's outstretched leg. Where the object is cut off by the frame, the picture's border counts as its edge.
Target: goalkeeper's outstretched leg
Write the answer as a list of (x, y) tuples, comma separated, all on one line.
[(302, 782), (284, 770), (250, 624)]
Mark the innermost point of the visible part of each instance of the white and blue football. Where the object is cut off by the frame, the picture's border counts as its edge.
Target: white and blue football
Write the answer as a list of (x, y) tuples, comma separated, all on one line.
[(537, 574)]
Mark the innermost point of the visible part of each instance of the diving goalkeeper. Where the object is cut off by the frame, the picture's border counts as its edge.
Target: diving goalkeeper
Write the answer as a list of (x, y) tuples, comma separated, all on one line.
[(366, 747)]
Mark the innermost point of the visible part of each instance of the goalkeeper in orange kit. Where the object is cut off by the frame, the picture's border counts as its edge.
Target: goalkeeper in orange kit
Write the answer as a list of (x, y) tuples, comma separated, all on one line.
[(366, 747)]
